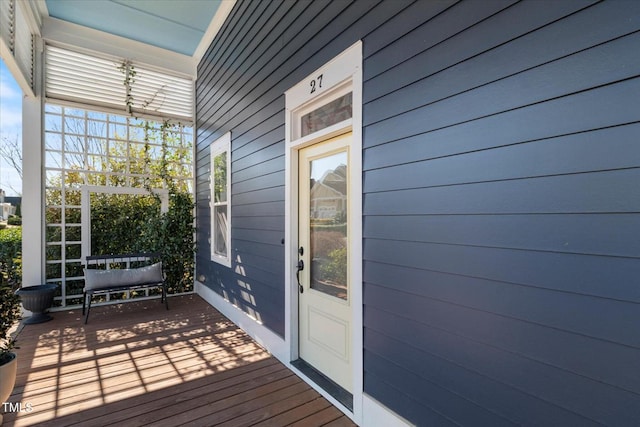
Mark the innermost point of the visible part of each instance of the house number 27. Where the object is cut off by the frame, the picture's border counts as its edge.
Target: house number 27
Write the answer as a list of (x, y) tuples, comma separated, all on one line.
[(316, 83)]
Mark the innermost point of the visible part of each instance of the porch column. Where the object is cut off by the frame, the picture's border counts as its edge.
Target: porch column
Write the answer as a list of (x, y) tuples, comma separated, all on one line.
[(32, 183)]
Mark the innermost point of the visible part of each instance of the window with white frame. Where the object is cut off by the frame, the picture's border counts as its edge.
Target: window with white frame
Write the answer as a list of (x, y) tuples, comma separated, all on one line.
[(221, 200)]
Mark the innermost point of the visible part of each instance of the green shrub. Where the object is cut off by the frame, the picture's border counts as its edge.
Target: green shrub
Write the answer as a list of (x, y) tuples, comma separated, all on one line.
[(11, 256), (3, 225), (121, 225), (336, 269), (14, 220), (9, 314), (171, 234), (118, 222)]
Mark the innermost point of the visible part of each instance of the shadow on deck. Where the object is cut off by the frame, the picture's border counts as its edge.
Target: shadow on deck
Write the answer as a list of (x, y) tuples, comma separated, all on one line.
[(138, 364)]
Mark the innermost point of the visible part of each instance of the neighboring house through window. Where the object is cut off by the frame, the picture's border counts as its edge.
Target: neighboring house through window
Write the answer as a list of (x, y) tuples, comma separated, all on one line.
[(221, 200)]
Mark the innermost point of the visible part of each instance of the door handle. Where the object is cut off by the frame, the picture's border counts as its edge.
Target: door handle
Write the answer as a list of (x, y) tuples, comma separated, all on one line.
[(299, 268)]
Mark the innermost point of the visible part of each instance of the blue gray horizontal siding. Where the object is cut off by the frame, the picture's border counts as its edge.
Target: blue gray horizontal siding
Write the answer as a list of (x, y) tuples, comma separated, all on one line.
[(501, 196), (502, 214), (263, 49)]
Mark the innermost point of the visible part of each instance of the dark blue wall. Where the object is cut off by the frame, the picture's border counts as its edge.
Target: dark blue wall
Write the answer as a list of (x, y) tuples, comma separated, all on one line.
[(501, 205)]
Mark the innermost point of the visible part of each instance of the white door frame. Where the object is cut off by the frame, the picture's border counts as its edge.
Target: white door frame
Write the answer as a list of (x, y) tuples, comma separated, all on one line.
[(340, 75)]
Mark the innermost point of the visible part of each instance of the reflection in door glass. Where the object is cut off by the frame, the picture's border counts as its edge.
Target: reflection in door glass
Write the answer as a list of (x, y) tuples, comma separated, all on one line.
[(329, 114), (328, 225)]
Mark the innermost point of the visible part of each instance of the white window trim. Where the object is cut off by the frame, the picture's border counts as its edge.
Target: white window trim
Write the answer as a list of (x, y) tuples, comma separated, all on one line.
[(219, 146)]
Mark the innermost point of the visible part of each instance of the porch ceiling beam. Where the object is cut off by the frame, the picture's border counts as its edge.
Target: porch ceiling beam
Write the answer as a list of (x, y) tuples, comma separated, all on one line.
[(91, 40)]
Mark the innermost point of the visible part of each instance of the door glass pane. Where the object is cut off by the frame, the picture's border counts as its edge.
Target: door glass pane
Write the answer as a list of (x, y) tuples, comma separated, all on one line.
[(328, 225), (220, 177)]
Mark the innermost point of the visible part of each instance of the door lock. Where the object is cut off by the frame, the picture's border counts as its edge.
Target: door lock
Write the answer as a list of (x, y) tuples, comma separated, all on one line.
[(299, 268)]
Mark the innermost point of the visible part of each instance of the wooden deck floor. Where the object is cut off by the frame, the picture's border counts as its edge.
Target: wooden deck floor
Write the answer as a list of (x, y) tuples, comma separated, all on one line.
[(139, 364)]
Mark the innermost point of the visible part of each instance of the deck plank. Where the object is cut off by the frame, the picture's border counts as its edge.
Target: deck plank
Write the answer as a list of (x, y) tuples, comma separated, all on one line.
[(276, 408), (122, 410), (296, 414), (138, 364)]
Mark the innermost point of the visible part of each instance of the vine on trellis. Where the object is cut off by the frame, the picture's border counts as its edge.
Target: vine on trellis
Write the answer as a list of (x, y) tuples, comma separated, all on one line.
[(129, 71), (170, 233)]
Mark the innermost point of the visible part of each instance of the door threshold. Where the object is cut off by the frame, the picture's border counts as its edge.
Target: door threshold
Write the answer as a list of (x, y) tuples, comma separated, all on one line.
[(328, 385)]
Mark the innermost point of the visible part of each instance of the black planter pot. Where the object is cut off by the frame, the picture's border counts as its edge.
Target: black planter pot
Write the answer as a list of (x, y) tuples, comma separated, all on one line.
[(37, 299)]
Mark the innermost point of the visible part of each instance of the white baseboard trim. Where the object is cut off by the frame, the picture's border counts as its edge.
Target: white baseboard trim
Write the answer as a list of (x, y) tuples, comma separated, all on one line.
[(273, 343), (375, 414)]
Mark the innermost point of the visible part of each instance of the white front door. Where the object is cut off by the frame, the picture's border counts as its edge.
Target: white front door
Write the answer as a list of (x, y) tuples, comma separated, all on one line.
[(323, 252)]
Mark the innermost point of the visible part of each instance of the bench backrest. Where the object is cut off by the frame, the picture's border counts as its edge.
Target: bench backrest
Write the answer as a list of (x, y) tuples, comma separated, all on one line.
[(113, 261), (118, 271)]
